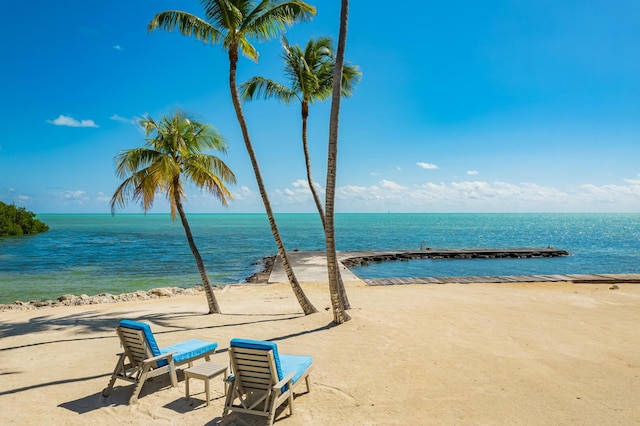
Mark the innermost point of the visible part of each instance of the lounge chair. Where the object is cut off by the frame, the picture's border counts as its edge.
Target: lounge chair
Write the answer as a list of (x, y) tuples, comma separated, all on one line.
[(262, 379), (146, 359)]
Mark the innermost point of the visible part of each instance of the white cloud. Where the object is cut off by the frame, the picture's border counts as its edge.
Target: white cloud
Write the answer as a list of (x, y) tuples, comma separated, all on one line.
[(387, 184), (117, 47), (473, 172), (103, 197), (74, 195), (299, 194), (471, 196), (116, 117), (426, 166), (301, 183), (242, 193), (64, 120)]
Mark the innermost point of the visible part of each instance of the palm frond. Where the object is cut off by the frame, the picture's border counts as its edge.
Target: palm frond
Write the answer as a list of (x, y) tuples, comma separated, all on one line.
[(224, 14), (273, 18), (351, 76), (137, 188), (122, 194), (187, 24), (318, 50), (208, 137), (247, 49), (134, 159), (260, 87), (210, 173)]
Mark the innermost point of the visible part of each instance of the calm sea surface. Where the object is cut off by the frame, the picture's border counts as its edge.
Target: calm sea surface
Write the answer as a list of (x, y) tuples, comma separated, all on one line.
[(97, 253)]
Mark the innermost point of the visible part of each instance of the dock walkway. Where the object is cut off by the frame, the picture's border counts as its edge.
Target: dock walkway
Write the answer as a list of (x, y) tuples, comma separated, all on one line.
[(312, 266)]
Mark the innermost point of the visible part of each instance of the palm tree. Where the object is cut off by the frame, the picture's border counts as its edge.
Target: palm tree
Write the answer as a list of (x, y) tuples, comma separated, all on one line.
[(340, 315), (232, 23), (172, 154), (310, 75)]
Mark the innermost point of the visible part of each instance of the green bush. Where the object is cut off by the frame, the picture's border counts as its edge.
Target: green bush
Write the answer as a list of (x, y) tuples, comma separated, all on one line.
[(19, 221)]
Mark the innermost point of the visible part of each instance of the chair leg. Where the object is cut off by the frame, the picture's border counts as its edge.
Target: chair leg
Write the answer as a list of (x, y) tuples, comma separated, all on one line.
[(272, 410), (229, 400), (207, 390), (290, 403), (172, 374), (186, 386), (139, 383), (119, 367), (107, 391)]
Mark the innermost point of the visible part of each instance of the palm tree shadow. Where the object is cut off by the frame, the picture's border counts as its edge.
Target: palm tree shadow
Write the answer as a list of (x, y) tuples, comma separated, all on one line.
[(91, 323)]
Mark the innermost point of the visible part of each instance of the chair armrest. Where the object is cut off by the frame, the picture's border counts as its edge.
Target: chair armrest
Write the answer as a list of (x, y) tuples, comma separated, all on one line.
[(168, 356), (284, 381)]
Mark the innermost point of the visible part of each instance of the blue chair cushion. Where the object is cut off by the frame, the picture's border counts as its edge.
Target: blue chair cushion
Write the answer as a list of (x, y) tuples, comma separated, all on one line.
[(297, 363), (189, 349)]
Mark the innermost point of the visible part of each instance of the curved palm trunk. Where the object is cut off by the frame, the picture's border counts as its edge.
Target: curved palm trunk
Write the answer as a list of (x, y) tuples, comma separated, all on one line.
[(337, 303), (307, 159), (316, 198), (214, 308), (305, 303)]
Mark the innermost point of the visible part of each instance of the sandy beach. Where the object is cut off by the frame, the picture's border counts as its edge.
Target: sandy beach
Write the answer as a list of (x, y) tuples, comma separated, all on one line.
[(476, 354)]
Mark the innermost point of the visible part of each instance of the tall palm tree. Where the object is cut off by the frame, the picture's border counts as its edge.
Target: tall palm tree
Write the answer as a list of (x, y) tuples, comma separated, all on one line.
[(171, 155), (340, 315), (310, 76), (232, 23)]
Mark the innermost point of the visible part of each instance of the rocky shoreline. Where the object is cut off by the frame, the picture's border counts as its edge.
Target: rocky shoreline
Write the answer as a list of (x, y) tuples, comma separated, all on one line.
[(83, 299)]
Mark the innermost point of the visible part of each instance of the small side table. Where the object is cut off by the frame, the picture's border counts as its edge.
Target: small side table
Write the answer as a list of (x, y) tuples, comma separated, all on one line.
[(205, 371)]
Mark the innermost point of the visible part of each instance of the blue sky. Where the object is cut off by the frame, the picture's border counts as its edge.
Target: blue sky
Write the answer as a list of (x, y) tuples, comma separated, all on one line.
[(464, 106)]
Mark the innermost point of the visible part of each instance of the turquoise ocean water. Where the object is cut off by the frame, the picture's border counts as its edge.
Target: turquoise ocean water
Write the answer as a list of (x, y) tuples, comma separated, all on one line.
[(97, 253)]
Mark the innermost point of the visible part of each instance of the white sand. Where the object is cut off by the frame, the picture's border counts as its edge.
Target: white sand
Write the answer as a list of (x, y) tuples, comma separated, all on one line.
[(478, 354)]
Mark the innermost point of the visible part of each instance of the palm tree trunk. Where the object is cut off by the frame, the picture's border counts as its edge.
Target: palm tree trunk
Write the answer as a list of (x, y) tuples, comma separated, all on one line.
[(307, 159), (305, 303), (214, 308), (337, 303), (316, 198)]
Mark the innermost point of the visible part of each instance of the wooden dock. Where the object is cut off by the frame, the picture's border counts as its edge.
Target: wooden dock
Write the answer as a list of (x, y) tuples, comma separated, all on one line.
[(350, 259), (312, 266), (572, 278)]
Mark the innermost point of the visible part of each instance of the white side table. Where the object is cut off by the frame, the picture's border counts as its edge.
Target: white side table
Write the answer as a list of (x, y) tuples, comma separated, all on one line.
[(205, 371)]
